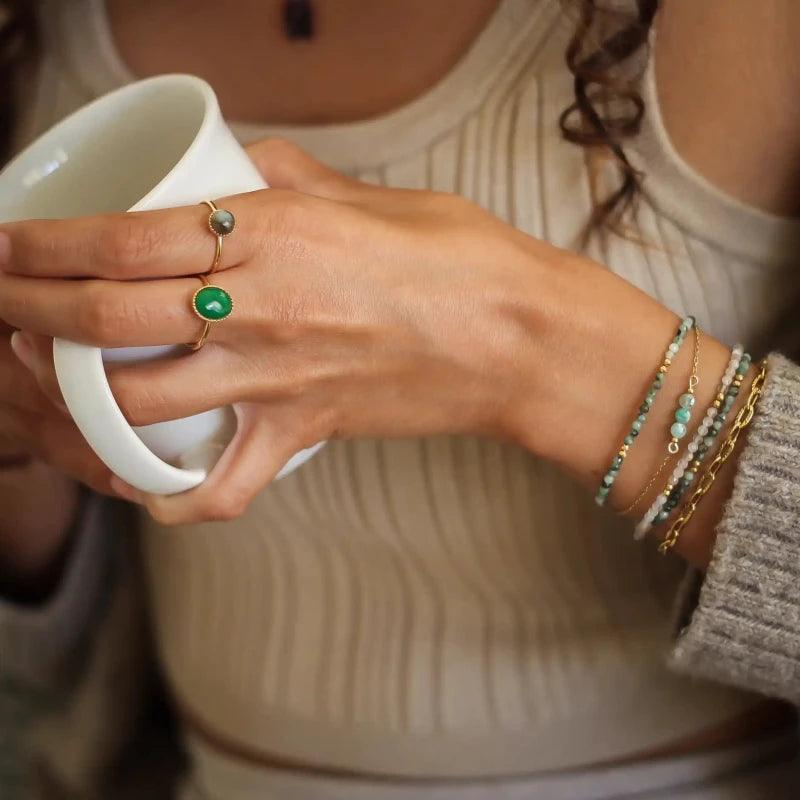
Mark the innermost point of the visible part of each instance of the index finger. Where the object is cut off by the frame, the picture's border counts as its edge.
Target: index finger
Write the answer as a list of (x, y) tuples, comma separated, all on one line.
[(166, 243)]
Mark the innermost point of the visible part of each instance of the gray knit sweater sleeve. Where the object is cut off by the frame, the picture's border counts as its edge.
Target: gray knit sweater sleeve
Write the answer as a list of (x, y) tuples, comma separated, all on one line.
[(743, 627)]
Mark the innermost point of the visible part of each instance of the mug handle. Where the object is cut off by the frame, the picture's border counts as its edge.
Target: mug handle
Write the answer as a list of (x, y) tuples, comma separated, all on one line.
[(86, 391)]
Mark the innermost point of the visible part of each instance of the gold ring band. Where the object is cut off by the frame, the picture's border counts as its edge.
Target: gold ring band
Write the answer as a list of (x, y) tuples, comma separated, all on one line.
[(207, 327), (221, 222)]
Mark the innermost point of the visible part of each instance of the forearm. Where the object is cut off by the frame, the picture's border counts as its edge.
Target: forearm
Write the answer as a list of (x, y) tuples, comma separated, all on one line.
[(591, 355)]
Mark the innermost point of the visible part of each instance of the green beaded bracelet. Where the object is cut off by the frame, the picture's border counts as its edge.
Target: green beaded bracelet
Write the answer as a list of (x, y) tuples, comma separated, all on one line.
[(723, 404), (683, 413), (636, 426)]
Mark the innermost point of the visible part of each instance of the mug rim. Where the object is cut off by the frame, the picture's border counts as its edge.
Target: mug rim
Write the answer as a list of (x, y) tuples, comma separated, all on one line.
[(210, 112)]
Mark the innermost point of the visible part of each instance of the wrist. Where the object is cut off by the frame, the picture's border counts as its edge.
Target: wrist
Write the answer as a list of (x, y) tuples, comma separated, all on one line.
[(592, 347)]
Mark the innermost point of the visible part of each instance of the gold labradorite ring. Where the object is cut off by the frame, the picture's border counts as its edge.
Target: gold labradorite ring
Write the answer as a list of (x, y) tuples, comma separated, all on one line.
[(212, 304), (220, 222)]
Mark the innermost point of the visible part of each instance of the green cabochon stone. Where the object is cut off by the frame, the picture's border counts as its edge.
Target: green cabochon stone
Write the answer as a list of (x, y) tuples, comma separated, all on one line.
[(213, 303)]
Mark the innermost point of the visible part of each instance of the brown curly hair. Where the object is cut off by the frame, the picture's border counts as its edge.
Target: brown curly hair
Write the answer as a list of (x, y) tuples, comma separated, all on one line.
[(606, 56), (602, 57)]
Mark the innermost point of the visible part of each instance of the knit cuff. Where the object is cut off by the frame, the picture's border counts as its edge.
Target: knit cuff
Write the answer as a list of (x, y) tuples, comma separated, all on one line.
[(38, 643), (745, 627)]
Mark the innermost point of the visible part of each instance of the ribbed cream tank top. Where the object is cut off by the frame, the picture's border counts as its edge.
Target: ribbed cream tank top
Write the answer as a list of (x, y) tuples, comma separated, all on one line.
[(451, 606)]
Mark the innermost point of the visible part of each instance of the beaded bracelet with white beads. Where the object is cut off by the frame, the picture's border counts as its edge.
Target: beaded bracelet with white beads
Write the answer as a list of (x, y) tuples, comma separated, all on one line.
[(682, 476)]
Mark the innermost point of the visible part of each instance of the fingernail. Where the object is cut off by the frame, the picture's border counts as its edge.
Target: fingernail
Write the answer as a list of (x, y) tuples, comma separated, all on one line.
[(5, 249), (125, 490), (23, 350)]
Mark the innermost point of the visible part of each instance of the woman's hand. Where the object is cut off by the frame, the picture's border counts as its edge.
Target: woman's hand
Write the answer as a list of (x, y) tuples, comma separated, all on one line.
[(42, 458), (359, 311)]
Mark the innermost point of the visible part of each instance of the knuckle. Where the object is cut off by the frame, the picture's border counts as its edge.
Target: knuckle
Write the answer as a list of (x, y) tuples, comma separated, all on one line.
[(139, 405), (105, 318), (290, 214), (161, 515), (126, 243), (229, 505), (279, 149), (316, 425)]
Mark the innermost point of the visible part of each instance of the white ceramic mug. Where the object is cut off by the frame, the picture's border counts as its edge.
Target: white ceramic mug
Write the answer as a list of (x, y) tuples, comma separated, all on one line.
[(157, 143)]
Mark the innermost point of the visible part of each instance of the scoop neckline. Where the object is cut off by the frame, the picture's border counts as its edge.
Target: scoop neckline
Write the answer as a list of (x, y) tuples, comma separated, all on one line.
[(695, 204), (359, 145)]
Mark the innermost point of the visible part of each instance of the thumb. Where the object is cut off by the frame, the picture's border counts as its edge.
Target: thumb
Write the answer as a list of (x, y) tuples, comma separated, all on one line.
[(286, 166)]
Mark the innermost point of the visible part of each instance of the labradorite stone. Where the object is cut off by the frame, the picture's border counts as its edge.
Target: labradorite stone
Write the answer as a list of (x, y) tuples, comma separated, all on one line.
[(213, 303), (683, 415), (222, 222)]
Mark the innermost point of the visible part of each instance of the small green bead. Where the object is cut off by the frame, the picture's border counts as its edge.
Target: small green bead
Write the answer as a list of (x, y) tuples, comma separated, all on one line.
[(608, 479), (628, 440), (717, 425), (644, 407), (636, 425), (634, 431), (683, 415), (659, 380), (662, 515), (213, 303), (678, 430), (686, 400), (616, 462), (603, 491), (708, 441), (688, 476)]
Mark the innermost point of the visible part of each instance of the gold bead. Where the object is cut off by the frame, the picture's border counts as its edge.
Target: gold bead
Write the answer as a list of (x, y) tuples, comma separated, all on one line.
[(717, 404), (720, 397), (695, 465), (662, 369), (667, 361)]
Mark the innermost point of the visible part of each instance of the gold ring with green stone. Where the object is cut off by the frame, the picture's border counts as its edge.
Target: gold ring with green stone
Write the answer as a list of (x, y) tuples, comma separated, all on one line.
[(212, 304)]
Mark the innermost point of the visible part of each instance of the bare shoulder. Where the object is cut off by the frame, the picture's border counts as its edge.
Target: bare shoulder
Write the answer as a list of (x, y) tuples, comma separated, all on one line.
[(728, 74)]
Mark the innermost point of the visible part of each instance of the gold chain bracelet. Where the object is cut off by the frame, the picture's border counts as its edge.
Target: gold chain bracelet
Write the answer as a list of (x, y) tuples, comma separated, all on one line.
[(742, 420)]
